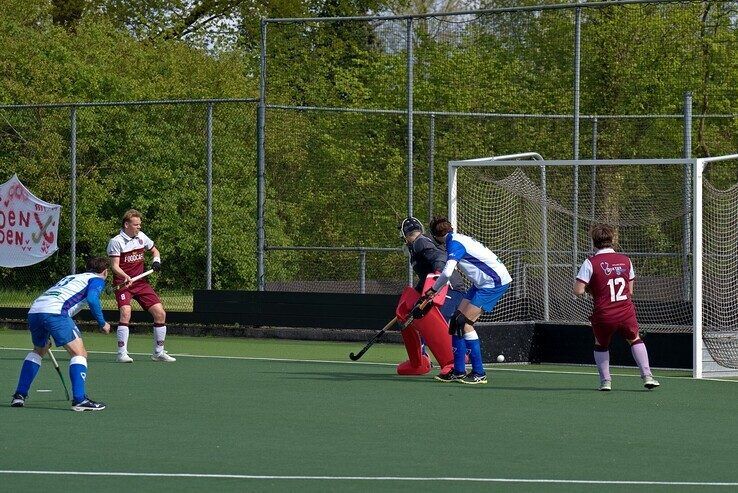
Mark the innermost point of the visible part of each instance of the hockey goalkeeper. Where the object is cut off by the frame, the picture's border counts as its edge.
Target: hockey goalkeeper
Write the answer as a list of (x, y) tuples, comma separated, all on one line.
[(430, 326)]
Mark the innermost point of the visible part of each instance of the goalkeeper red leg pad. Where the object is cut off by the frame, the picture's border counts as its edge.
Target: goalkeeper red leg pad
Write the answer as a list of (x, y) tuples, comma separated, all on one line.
[(411, 339), (434, 330), (405, 368)]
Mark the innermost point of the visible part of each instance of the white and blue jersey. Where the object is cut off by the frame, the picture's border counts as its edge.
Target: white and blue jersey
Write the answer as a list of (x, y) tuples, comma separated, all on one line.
[(476, 261), (70, 295)]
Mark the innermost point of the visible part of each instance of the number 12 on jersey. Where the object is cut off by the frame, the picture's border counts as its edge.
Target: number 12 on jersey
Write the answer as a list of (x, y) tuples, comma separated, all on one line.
[(618, 295)]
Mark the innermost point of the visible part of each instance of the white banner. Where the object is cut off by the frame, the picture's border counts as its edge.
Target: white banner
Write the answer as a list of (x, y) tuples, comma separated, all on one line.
[(28, 226)]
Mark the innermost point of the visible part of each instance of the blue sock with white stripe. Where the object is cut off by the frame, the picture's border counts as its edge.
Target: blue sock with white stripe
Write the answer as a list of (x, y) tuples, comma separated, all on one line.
[(28, 373), (472, 342), (77, 375), (459, 354)]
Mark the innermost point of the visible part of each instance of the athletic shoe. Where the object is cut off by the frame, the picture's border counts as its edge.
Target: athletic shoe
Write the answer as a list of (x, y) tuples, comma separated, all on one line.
[(450, 376), (19, 400), (605, 386), (87, 405), (650, 383), (163, 356), (474, 379), (124, 358)]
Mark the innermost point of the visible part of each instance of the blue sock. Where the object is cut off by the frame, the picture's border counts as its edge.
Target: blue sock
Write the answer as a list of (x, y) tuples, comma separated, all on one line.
[(78, 374), (459, 354), (28, 373), (472, 342)]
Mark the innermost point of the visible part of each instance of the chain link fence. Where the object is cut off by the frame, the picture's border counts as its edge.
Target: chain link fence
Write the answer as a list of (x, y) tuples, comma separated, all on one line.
[(186, 165), (357, 118)]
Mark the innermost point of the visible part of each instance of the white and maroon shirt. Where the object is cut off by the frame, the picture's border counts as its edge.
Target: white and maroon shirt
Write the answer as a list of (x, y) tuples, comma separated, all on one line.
[(131, 253), (608, 275)]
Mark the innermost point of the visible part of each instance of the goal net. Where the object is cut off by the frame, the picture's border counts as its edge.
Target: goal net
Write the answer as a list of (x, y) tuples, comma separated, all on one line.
[(535, 215)]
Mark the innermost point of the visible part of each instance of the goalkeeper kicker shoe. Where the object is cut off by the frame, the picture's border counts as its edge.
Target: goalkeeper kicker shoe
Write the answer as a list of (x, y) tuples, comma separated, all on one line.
[(605, 386), (163, 356), (19, 400), (450, 376), (650, 383), (124, 358), (86, 404), (474, 379)]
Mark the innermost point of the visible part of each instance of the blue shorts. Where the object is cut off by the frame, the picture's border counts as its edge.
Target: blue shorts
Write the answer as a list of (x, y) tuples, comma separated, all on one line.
[(453, 298), (60, 327), (485, 298)]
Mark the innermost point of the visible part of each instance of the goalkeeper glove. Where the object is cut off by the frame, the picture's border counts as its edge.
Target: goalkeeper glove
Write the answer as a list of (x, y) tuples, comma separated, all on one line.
[(419, 310)]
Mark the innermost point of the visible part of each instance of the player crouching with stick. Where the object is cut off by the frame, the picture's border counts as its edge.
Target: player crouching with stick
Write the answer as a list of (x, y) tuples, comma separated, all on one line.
[(490, 280), (426, 258), (126, 252), (51, 316), (609, 277)]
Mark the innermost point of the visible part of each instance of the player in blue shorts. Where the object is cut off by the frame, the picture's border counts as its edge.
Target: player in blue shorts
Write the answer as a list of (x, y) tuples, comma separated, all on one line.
[(51, 316), (490, 280)]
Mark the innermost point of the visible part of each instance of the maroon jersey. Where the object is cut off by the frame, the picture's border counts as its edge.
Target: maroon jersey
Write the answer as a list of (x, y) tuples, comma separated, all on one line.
[(131, 253), (608, 275)]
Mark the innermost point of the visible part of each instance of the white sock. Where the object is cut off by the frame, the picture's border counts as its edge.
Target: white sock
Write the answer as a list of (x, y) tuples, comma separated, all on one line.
[(122, 333), (160, 333)]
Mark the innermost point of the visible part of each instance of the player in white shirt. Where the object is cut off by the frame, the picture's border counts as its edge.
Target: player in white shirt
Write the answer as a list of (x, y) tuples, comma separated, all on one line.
[(490, 280), (50, 316), (126, 251)]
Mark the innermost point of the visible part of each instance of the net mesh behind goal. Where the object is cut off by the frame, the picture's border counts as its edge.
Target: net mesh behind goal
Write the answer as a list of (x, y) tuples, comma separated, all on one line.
[(719, 266), (502, 207)]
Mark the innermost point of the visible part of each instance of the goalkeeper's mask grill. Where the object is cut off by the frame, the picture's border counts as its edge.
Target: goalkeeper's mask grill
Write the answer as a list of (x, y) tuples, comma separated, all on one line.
[(408, 225)]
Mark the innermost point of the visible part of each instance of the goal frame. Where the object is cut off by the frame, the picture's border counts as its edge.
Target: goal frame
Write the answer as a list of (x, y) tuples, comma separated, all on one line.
[(700, 356)]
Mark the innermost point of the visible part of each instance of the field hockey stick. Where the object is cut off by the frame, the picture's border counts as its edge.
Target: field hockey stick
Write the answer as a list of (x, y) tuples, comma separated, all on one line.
[(56, 366), (133, 279), (379, 334), (354, 357)]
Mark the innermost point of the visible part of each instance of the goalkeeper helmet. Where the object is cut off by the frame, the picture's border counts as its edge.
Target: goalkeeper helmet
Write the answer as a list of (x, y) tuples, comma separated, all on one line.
[(408, 225)]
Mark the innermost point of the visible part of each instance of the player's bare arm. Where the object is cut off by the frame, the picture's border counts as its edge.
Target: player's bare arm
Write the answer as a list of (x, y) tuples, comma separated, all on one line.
[(156, 261), (579, 288), (115, 266)]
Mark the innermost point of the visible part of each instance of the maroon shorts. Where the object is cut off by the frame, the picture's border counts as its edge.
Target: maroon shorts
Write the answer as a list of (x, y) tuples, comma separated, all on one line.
[(139, 291), (603, 331)]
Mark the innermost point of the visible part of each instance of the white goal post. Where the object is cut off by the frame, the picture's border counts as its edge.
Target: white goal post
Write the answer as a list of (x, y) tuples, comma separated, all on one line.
[(679, 226)]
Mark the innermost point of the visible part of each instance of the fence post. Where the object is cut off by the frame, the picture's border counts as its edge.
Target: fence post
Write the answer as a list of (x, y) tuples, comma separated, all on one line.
[(362, 270), (209, 186), (410, 63), (593, 186), (260, 165), (73, 186), (577, 78), (687, 195), (431, 163)]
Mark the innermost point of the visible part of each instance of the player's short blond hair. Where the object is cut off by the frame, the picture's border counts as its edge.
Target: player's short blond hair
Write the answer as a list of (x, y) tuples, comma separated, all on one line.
[(130, 214)]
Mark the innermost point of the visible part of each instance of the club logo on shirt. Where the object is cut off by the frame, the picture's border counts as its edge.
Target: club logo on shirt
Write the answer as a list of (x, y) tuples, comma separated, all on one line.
[(618, 269), (136, 257)]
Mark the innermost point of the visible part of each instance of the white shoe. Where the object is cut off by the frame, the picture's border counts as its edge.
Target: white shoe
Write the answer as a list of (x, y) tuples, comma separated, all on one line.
[(605, 386), (650, 383), (163, 356), (124, 358)]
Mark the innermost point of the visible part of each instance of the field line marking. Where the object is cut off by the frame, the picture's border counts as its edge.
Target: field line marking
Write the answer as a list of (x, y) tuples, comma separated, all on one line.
[(292, 360), (369, 478)]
